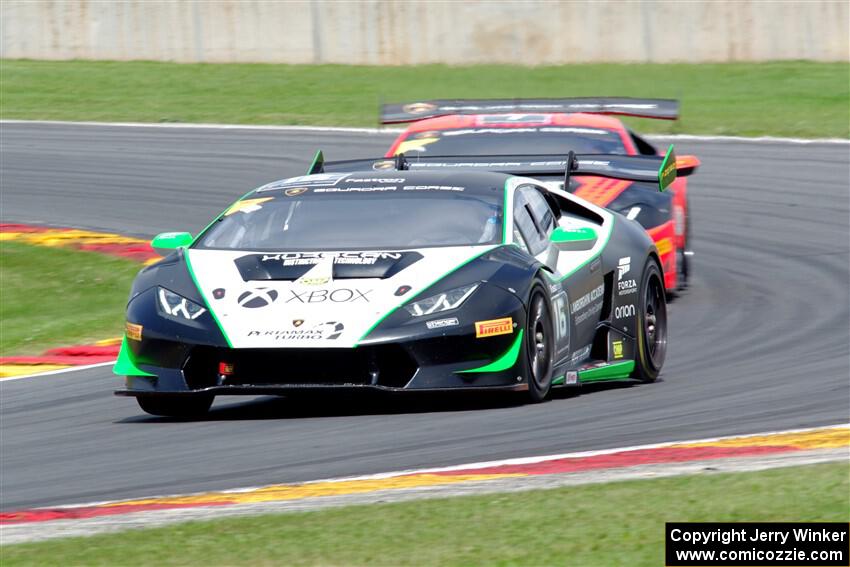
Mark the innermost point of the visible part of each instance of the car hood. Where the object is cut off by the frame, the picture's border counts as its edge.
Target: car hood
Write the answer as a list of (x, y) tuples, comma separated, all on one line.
[(314, 299)]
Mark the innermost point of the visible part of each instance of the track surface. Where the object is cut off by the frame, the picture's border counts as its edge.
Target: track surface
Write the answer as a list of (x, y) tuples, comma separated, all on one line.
[(759, 343)]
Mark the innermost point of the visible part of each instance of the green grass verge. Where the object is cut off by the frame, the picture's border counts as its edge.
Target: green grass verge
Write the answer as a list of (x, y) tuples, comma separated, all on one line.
[(56, 297), (604, 524), (781, 99)]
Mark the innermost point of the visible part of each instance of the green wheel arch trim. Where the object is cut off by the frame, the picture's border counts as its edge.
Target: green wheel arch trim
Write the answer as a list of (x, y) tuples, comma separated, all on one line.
[(507, 360), (615, 371), (204, 297), (126, 364), (424, 289)]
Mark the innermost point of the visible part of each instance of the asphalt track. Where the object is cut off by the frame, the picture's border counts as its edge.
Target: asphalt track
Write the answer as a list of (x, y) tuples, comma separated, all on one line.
[(760, 342)]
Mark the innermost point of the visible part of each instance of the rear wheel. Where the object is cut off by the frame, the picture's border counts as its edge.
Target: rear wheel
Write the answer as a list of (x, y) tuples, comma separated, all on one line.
[(176, 406), (539, 344), (651, 324)]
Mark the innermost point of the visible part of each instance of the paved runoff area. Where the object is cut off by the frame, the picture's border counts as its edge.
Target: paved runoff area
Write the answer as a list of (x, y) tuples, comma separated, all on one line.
[(725, 454)]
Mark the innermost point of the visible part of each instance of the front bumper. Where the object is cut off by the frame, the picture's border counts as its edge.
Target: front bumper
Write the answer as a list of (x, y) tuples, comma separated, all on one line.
[(395, 358)]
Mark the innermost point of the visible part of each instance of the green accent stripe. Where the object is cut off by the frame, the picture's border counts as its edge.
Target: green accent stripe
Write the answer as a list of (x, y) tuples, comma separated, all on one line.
[(126, 365), (315, 159), (505, 213), (559, 380), (507, 360), (204, 297), (589, 260), (424, 289), (615, 371), (220, 215)]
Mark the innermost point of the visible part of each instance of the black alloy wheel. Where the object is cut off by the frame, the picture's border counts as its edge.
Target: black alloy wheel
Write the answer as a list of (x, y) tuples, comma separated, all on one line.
[(539, 344), (651, 325)]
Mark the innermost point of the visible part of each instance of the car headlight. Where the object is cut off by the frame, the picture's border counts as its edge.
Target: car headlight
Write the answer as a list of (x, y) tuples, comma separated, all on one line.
[(445, 301), (178, 306)]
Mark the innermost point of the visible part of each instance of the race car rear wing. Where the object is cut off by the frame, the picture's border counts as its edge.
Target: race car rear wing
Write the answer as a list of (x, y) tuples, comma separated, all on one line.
[(649, 169), (664, 109)]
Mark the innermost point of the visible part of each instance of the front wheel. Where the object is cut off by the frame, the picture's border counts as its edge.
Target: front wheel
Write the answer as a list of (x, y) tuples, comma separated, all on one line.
[(176, 406), (651, 324), (539, 344)]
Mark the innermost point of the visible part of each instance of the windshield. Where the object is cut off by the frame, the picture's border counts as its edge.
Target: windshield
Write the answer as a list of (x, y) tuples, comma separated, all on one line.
[(358, 222), (513, 141)]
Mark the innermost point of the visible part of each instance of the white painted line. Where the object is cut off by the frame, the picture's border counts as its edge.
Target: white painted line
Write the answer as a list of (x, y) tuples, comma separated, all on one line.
[(470, 466), (681, 137), (60, 371)]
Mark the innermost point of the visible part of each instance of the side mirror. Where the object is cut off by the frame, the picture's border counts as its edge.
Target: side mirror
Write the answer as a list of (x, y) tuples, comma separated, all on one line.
[(171, 240), (574, 239)]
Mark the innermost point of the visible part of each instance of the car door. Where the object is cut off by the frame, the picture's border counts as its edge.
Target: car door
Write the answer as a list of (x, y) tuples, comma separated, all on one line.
[(576, 300)]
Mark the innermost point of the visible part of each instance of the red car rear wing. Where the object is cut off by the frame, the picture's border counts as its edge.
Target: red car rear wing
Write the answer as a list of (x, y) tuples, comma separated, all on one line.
[(664, 109)]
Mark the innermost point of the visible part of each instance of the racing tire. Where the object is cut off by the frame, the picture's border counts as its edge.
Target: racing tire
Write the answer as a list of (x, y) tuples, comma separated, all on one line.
[(176, 406), (651, 324), (539, 343)]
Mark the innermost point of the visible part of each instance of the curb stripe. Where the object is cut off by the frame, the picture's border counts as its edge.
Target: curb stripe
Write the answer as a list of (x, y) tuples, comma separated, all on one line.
[(764, 444)]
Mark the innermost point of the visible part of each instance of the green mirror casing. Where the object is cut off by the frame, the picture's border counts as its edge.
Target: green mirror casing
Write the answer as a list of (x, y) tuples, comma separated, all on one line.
[(574, 238), (171, 240)]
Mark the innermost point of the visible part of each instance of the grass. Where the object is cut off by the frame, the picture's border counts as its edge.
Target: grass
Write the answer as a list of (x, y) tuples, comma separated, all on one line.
[(55, 297), (604, 524), (803, 99)]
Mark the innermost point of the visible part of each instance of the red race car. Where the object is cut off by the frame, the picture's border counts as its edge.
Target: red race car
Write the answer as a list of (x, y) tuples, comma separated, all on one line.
[(555, 126)]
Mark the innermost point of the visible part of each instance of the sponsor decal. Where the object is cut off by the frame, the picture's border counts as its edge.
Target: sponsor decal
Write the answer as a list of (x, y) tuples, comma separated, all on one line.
[(441, 323), (623, 267), (218, 293), (626, 287), (493, 327), (297, 322), (617, 348), (295, 191), (665, 245), (133, 331), (255, 298), (402, 289), (323, 331), (623, 311), (246, 206), (311, 258), (375, 180), (580, 355), (431, 188), (376, 189), (341, 295), (571, 377), (313, 281), (419, 107), (587, 298)]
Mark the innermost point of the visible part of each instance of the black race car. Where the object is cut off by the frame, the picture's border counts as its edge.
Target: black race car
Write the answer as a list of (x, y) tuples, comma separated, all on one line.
[(394, 278)]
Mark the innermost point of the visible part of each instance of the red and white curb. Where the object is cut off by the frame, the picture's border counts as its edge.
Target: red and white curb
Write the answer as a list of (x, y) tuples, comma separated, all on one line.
[(723, 454)]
